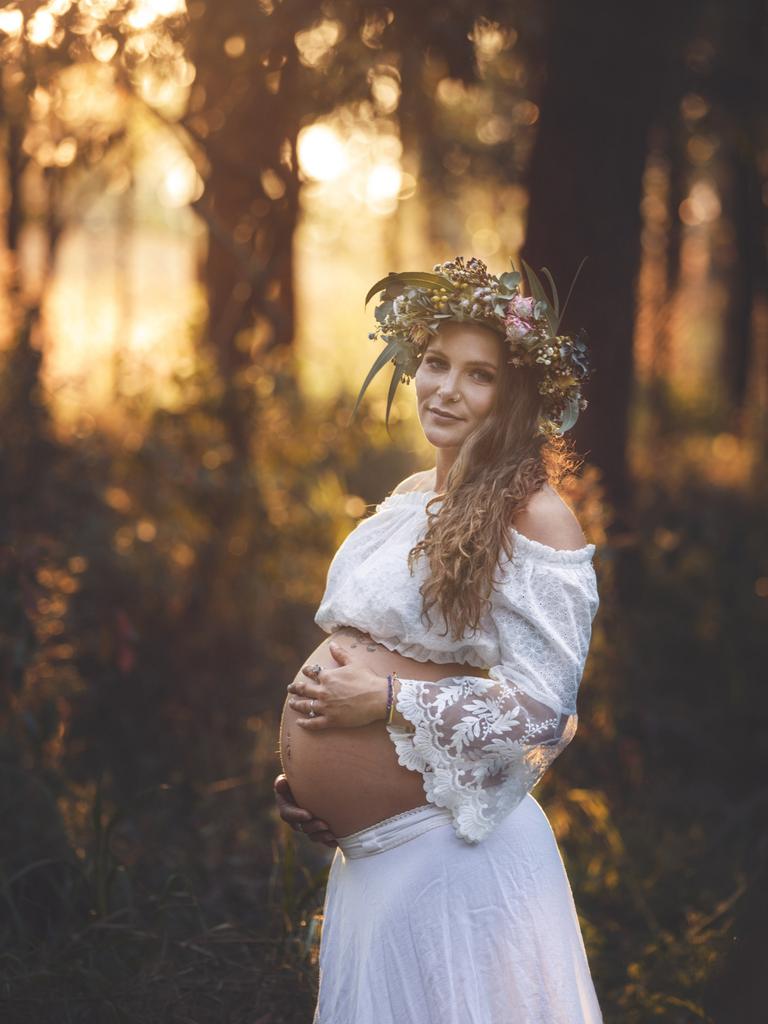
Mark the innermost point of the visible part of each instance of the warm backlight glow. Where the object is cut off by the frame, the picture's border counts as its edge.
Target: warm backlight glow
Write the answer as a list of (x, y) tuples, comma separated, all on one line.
[(11, 22), (384, 183), (181, 184), (321, 153), (234, 46), (315, 45), (146, 12), (701, 205), (104, 48), (40, 27)]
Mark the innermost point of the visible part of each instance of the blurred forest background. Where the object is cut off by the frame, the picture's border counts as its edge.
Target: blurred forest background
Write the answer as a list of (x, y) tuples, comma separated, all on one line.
[(195, 198)]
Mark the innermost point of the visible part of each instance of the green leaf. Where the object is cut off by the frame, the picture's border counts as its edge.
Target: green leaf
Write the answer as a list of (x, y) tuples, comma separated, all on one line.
[(537, 291), (555, 299), (423, 278), (534, 284), (385, 282), (383, 310), (383, 357), (420, 279), (391, 393), (570, 414), (509, 280)]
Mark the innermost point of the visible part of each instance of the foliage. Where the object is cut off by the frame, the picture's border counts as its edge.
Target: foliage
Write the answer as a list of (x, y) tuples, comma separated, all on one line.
[(158, 586), (146, 878), (661, 808), (155, 600)]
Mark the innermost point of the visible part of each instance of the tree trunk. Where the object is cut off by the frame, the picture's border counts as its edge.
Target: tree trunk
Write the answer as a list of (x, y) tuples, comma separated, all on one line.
[(247, 125), (739, 86), (748, 274), (603, 87)]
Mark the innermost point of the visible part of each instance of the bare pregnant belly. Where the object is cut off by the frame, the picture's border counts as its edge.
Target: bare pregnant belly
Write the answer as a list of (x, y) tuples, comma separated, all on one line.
[(350, 777)]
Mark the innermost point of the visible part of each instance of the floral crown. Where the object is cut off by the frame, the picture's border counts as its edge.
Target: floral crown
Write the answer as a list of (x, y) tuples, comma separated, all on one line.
[(414, 304)]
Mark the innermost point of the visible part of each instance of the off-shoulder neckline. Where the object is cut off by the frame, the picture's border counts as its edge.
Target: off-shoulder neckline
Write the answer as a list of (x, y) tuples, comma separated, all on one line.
[(534, 547)]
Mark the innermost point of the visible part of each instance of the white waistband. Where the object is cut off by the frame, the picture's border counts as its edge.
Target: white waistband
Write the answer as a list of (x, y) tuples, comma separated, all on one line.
[(393, 831)]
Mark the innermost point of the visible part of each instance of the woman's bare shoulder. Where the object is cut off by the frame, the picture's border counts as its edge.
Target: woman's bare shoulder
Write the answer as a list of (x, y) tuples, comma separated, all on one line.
[(549, 520), (416, 482)]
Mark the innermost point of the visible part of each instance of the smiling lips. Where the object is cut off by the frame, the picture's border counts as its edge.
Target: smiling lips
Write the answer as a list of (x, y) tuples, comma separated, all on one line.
[(443, 415)]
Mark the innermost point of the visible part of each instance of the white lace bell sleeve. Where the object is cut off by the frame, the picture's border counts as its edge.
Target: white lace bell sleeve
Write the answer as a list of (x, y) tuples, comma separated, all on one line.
[(482, 744)]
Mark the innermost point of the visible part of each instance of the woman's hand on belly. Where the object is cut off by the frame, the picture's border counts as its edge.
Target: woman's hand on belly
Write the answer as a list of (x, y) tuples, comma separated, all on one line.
[(299, 818), (351, 777), (346, 697)]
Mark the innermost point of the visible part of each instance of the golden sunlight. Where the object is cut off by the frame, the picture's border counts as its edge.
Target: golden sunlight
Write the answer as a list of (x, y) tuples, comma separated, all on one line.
[(181, 184), (701, 205), (145, 12), (315, 45), (490, 38), (322, 155), (40, 27), (383, 184), (11, 22)]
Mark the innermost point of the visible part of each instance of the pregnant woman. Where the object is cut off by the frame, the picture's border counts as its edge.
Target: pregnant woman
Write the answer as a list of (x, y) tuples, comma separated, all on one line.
[(459, 619)]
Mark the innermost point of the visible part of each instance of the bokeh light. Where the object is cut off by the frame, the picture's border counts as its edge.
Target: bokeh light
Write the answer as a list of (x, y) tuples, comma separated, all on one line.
[(322, 155)]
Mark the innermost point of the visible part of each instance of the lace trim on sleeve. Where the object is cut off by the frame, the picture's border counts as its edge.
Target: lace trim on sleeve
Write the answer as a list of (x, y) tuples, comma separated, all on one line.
[(480, 745)]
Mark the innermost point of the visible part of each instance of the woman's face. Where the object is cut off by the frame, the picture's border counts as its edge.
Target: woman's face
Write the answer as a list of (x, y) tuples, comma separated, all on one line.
[(458, 374)]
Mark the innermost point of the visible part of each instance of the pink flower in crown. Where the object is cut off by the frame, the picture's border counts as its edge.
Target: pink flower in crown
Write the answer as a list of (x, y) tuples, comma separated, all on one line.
[(520, 320), (521, 306), (518, 329)]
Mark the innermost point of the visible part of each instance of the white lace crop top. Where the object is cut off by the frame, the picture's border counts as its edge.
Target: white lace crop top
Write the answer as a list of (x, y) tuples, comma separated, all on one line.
[(480, 744)]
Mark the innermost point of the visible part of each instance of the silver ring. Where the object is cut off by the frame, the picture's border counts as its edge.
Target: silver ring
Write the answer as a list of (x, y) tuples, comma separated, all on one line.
[(312, 712)]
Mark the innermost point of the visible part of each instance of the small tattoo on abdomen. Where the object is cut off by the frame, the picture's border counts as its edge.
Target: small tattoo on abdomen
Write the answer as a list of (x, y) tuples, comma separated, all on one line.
[(358, 637)]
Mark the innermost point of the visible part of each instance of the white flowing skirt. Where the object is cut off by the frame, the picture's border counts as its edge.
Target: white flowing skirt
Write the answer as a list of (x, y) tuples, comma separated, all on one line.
[(421, 927)]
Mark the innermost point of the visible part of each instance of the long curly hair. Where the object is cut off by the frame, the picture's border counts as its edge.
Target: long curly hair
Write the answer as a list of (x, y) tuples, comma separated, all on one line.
[(500, 466)]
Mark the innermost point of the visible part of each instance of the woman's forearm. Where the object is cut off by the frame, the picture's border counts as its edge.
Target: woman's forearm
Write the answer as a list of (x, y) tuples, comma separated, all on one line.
[(397, 718)]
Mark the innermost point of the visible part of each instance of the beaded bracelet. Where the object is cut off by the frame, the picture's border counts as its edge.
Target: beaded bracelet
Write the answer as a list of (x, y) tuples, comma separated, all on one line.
[(390, 696)]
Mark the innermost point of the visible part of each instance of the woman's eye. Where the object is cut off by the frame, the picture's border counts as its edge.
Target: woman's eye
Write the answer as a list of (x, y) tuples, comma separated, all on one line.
[(438, 363)]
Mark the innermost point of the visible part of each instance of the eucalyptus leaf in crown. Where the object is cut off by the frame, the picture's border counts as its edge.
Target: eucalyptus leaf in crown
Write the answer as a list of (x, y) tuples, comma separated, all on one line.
[(413, 304)]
